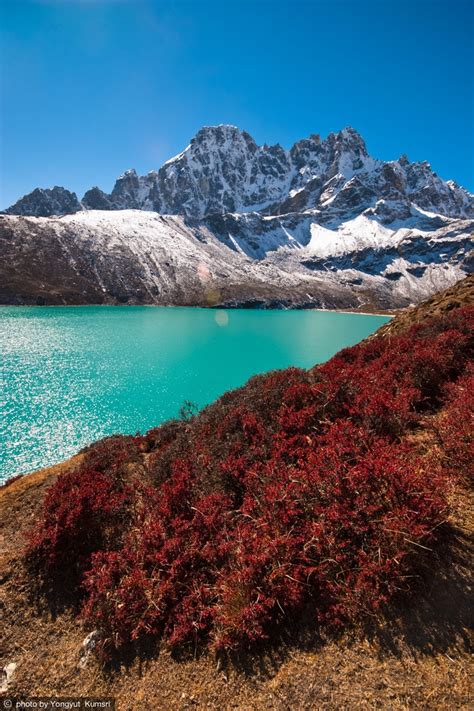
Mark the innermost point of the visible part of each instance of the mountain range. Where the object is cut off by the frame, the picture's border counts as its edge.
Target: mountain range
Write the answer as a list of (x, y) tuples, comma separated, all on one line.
[(228, 222)]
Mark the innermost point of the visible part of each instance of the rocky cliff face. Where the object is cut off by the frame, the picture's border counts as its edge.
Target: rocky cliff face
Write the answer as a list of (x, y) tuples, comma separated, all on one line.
[(322, 223)]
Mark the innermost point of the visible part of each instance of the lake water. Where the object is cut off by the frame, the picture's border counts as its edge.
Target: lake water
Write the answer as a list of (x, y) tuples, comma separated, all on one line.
[(72, 375)]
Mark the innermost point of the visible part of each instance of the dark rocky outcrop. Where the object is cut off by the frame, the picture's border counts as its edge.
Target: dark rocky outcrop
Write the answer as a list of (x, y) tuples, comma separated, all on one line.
[(45, 202)]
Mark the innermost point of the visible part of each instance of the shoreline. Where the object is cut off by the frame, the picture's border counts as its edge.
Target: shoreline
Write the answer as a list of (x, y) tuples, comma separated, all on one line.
[(359, 313), (17, 482), (207, 308)]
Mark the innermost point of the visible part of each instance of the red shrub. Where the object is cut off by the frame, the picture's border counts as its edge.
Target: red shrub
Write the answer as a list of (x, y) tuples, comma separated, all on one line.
[(455, 427), (339, 529), (155, 583), (83, 512)]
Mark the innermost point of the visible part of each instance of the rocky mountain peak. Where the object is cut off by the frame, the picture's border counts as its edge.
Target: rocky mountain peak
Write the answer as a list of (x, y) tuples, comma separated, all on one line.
[(352, 138), (96, 199), (44, 202), (220, 133)]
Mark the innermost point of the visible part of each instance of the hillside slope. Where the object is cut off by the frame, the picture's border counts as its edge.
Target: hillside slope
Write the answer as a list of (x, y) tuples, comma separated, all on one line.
[(405, 390), (144, 258)]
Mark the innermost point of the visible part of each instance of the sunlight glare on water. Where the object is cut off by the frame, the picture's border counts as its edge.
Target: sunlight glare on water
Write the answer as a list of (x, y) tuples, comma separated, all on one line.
[(72, 375)]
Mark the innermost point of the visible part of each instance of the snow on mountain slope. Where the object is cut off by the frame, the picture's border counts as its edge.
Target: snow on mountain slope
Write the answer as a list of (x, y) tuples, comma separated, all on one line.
[(223, 170), (138, 257), (133, 256)]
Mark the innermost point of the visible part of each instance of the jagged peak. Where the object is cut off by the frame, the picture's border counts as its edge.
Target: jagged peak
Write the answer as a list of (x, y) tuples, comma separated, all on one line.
[(353, 138), (45, 202), (213, 134), (422, 164), (350, 131), (227, 127), (225, 130), (50, 192), (55, 189), (130, 173), (96, 199)]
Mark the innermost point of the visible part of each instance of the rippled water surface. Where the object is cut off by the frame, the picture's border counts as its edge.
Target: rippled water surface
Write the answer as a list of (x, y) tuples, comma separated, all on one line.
[(74, 374)]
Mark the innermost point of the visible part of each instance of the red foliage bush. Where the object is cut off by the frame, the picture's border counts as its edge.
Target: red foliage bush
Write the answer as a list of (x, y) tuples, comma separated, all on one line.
[(455, 427), (83, 512), (86, 510), (295, 490)]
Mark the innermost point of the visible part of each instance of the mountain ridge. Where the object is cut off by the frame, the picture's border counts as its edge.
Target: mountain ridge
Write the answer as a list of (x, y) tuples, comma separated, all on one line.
[(224, 170), (227, 222)]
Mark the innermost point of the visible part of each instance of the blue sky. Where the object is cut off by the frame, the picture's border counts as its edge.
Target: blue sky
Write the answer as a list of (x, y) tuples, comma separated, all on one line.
[(90, 88)]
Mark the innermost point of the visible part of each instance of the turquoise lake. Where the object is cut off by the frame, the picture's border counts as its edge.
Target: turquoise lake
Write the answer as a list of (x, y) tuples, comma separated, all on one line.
[(72, 375)]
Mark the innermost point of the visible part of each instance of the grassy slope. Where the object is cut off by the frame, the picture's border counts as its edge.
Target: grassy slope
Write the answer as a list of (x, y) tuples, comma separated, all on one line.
[(418, 658)]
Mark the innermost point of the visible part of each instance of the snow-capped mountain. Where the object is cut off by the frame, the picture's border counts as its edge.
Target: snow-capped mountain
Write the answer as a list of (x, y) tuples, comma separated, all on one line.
[(322, 223), (224, 170)]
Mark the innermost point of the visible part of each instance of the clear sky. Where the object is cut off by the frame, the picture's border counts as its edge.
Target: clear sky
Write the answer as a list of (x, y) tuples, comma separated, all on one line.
[(93, 87)]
